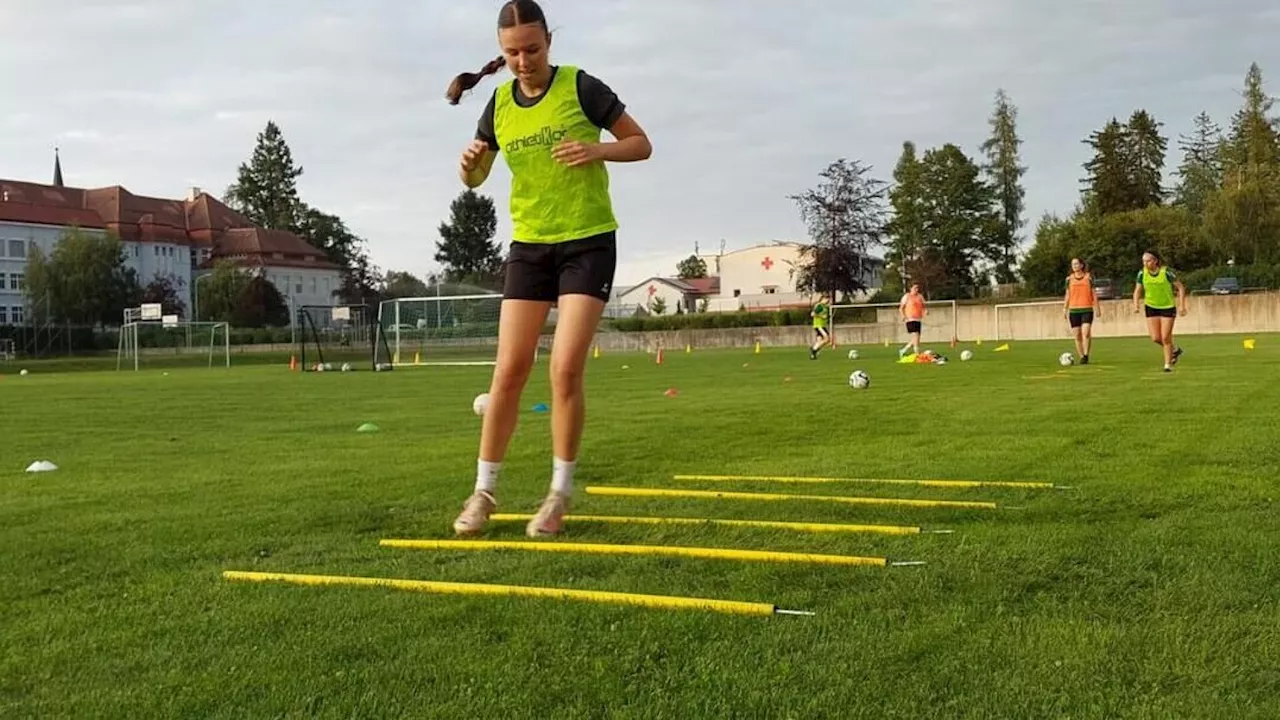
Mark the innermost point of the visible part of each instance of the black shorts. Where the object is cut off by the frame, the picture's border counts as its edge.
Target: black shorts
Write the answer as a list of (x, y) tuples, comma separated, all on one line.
[(1161, 312), (913, 326), (537, 271), (1080, 318), (822, 332)]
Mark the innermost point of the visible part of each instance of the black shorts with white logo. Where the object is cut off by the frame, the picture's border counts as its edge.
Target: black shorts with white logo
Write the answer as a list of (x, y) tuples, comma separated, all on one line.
[(913, 326), (545, 271)]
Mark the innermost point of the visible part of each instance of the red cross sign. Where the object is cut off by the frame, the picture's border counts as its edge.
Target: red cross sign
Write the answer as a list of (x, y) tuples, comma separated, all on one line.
[(652, 291), (767, 263)]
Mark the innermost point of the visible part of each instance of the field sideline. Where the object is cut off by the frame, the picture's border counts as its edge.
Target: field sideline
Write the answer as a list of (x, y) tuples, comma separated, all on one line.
[(1149, 590)]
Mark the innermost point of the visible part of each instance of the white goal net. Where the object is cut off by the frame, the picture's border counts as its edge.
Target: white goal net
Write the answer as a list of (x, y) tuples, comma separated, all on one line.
[(879, 323), (150, 339), (442, 330)]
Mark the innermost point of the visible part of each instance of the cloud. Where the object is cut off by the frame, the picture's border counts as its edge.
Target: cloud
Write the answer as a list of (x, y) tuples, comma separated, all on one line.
[(745, 102)]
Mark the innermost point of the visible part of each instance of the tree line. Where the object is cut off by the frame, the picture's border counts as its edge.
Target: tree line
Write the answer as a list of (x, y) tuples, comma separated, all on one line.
[(954, 223)]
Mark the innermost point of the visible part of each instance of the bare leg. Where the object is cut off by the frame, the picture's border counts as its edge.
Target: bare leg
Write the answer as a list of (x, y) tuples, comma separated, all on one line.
[(519, 326), (575, 327), (1079, 333), (1166, 339), (1086, 338)]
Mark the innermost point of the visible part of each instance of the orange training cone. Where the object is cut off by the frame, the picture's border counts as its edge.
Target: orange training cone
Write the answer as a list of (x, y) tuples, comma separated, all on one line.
[(659, 356), (293, 362)]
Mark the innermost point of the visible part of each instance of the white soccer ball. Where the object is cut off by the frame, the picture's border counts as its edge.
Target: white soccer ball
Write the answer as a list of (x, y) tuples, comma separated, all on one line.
[(853, 354), (966, 356), (24, 371), (1066, 359), (319, 367), (859, 380), (346, 367), (480, 404)]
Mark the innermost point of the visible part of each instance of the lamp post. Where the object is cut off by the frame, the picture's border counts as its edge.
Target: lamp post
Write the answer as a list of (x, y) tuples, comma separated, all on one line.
[(195, 296)]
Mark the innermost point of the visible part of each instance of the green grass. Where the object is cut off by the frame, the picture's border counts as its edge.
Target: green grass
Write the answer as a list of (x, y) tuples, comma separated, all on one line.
[(1147, 591)]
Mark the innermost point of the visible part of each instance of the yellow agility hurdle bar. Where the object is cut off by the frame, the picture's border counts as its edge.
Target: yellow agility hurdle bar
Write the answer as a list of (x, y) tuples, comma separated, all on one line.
[(656, 550), (712, 494), (959, 484), (765, 524), (666, 602)]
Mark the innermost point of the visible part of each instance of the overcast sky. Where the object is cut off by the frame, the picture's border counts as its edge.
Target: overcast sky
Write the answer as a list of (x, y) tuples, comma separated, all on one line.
[(745, 101)]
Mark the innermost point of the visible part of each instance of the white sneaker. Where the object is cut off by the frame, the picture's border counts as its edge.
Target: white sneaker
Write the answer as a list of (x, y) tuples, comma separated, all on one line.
[(475, 513), (549, 520)]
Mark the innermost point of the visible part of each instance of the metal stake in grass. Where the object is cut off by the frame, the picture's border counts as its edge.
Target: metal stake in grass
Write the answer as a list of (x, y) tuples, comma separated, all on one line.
[(716, 495), (655, 550), (664, 602)]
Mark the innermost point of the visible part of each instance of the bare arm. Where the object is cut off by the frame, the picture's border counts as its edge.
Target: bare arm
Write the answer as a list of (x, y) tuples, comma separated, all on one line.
[(631, 144), (1182, 296), (1137, 297), (476, 165)]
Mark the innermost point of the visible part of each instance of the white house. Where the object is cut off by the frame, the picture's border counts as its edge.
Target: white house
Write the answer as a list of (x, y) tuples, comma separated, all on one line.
[(673, 295), (161, 238), (763, 277)]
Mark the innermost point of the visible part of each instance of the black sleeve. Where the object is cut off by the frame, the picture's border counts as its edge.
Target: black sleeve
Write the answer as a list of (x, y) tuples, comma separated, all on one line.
[(484, 129), (599, 102)]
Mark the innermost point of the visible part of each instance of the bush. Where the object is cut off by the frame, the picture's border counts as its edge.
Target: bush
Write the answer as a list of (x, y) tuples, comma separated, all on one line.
[(710, 321)]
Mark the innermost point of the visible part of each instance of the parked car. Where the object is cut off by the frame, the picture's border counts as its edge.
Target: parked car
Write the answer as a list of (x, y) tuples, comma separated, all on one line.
[(1105, 289), (1225, 286)]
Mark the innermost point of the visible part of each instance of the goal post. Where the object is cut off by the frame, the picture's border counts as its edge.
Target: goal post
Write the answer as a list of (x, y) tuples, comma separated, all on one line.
[(1006, 317), (882, 323), (340, 337), (153, 340), (442, 330)]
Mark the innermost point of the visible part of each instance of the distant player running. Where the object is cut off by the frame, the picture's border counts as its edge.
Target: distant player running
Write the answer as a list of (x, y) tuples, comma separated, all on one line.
[(1154, 294), (821, 314), (1081, 307), (913, 312)]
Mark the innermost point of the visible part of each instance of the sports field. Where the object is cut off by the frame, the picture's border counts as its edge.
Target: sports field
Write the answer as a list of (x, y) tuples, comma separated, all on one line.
[(1148, 590)]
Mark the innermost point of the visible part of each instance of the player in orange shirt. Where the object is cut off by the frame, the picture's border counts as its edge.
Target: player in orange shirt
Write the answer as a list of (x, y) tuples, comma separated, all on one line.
[(1081, 308), (913, 311)]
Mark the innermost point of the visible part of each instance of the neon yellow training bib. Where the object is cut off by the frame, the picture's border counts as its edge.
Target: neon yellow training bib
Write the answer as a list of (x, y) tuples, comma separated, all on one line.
[(1157, 290), (551, 203)]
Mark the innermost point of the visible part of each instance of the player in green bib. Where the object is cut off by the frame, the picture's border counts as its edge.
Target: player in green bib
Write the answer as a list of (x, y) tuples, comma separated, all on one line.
[(546, 123), (821, 315), (1162, 297)]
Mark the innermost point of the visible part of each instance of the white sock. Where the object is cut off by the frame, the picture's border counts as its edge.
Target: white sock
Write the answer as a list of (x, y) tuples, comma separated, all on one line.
[(487, 475), (562, 476)]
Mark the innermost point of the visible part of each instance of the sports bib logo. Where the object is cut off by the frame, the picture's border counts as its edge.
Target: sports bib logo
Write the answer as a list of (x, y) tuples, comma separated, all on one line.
[(546, 137)]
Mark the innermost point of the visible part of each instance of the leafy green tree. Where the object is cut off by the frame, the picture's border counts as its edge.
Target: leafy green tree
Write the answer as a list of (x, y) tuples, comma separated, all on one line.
[(958, 216), (1200, 174), (260, 304), (401, 284), (164, 290), (266, 187), (466, 248), (83, 281), (906, 235), (845, 215), (219, 294), (691, 268), (1004, 171)]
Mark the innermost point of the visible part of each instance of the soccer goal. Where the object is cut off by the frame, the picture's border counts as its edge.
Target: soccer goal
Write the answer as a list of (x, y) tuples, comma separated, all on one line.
[(868, 323), (1008, 315), (340, 337), (442, 330), (7, 351), (150, 339)]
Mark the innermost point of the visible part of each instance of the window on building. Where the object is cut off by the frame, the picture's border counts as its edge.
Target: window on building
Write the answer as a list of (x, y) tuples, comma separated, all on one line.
[(2, 285), (16, 281), (15, 315), (156, 249), (313, 286), (298, 288), (17, 248), (737, 293), (770, 289), (137, 250), (4, 316)]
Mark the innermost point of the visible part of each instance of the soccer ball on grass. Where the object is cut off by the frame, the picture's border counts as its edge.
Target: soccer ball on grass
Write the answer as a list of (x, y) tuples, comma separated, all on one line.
[(859, 380)]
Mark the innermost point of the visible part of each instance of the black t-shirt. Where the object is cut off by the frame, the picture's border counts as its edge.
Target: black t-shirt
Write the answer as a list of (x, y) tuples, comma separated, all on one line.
[(600, 104)]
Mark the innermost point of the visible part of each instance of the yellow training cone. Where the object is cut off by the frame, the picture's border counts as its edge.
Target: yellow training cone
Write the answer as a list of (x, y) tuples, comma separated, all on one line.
[(596, 353), (757, 347), (1248, 344), (688, 348), (1002, 348)]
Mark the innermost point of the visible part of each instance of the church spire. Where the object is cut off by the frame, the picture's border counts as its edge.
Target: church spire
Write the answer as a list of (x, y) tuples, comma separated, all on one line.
[(57, 169)]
